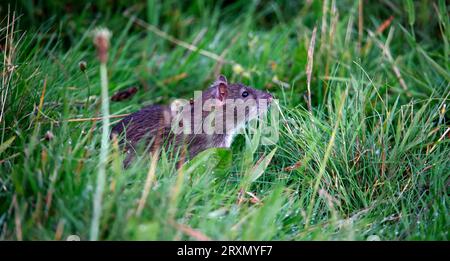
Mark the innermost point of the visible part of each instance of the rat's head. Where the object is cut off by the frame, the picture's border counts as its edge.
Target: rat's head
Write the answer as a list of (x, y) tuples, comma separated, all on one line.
[(241, 102), (222, 90)]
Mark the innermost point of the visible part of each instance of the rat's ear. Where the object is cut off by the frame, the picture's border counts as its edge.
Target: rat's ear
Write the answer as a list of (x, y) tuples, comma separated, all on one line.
[(222, 78), (221, 88), (221, 91)]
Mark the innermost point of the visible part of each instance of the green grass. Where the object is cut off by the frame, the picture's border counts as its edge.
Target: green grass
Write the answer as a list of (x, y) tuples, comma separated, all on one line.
[(372, 158)]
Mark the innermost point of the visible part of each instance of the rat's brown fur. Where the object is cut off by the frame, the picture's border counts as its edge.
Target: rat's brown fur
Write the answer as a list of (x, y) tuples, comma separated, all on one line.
[(152, 125)]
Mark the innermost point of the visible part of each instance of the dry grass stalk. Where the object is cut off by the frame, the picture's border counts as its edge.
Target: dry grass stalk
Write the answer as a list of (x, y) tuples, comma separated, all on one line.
[(41, 100), (8, 61), (360, 25), (98, 118), (59, 230), (323, 28), (17, 219), (309, 65), (349, 30), (175, 78), (333, 23), (148, 183), (440, 139)]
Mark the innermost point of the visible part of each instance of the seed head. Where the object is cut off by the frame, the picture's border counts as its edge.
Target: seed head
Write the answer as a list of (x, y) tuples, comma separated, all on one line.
[(101, 41), (82, 65), (237, 69)]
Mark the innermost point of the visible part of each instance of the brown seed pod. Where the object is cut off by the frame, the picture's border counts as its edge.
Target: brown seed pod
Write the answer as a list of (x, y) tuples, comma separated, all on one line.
[(101, 42), (82, 65), (124, 94)]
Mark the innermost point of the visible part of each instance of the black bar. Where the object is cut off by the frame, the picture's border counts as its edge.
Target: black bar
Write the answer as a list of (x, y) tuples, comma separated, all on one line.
[(224, 249)]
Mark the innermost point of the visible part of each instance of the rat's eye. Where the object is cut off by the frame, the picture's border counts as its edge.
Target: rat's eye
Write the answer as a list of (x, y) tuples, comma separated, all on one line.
[(244, 94)]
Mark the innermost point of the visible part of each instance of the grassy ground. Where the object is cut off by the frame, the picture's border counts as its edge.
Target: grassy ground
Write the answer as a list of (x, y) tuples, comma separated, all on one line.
[(370, 161)]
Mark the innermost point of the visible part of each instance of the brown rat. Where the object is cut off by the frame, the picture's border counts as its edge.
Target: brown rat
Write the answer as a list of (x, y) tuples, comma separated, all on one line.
[(211, 120)]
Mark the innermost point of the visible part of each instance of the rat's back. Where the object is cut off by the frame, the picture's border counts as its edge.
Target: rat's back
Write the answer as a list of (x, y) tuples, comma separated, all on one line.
[(146, 122)]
